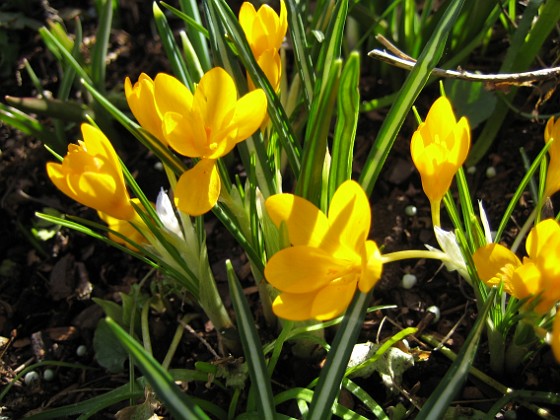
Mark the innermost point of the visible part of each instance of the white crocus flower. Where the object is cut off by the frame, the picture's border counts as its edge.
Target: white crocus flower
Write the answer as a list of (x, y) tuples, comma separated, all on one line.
[(164, 210), (448, 243)]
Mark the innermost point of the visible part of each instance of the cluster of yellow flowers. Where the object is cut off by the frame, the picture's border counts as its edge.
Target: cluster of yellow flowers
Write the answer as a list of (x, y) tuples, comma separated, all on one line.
[(439, 148)]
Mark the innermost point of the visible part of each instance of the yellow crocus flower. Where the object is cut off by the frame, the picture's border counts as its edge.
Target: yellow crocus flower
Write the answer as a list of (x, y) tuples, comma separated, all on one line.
[(141, 100), (330, 257), (537, 275), (264, 29), (206, 124), (92, 175), (552, 132), (439, 147)]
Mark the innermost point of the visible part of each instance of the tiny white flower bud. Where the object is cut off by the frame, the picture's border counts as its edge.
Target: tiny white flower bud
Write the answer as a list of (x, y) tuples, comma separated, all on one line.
[(166, 214)]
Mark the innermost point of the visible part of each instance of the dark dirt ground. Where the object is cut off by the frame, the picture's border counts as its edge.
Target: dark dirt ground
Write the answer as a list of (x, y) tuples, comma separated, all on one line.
[(46, 311)]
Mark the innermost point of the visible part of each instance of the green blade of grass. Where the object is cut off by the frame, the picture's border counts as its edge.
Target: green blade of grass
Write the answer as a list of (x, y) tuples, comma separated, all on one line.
[(178, 403), (99, 53), (303, 60), (28, 125), (348, 107), (430, 56), (310, 182), (440, 399), (252, 348), (172, 50), (197, 38)]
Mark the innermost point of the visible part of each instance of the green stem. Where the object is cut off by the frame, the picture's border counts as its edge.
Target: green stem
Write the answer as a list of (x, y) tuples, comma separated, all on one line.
[(413, 254), (436, 211)]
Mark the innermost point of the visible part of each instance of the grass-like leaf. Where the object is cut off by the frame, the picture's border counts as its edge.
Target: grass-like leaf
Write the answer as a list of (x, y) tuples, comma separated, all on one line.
[(252, 347), (99, 53)]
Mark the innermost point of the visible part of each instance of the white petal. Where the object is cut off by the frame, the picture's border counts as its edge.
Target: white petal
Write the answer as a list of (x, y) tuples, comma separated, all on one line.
[(164, 210)]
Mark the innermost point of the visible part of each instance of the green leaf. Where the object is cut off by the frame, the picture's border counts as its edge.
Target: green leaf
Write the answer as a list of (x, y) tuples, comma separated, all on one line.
[(252, 348), (99, 53), (108, 351)]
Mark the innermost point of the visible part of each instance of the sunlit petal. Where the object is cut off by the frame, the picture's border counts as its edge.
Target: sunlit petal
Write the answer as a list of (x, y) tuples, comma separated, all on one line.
[(495, 263), (198, 189), (372, 267), (555, 341), (302, 269), (306, 224), (333, 300), (171, 95), (349, 220), (540, 235), (185, 133), (294, 307), (216, 97)]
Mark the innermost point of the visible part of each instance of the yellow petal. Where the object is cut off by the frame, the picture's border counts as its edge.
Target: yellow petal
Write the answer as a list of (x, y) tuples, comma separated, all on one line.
[(215, 97), (57, 175), (349, 222), (293, 307), (303, 269), (494, 264), (125, 228), (250, 111), (555, 341), (306, 224), (198, 189), (171, 95), (332, 300), (327, 303), (142, 103), (540, 235), (185, 133), (371, 267)]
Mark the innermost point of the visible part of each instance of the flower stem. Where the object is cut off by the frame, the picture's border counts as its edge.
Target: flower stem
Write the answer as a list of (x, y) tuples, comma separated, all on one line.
[(413, 254), (436, 209)]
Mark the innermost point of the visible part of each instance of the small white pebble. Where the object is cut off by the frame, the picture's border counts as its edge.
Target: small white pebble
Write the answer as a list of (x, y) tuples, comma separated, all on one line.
[(410, 210), (31, 378), (490, 172), (48, 375), (158, 166), (81, 350), (435, 310), (408, 281), (471, 170)]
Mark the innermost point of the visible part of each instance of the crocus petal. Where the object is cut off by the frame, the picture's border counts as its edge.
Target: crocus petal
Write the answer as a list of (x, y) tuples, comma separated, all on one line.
[(293, 307), (372, 267), (327, 303), (216, 96), (171, 95), (349, 220), (555, 341), (198, 189), (249, 114), (142, 103), (540, 235), (306, 224), (126, 229), (495, 263), (333, 300), (303, 269), (524, 281), (185, 133)]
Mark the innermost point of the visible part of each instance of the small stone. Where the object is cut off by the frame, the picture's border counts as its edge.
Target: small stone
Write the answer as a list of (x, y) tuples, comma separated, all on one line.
[(471, 170), (31, 378), (490, 172), (408, 281), (410, 210), (81, 351), (48, 375), (434, 310)]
